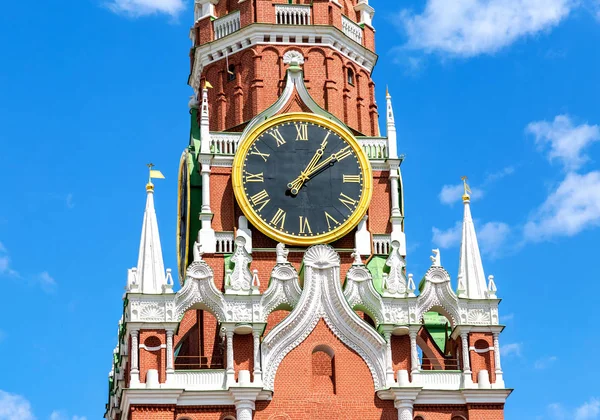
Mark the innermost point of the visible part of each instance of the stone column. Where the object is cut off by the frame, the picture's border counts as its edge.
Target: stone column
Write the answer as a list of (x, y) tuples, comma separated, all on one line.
[(244, 409), (497, 354), (394, 176), (257, 366), (229, 368), (468, 379), (405, 409), (205, 187), (170, 367), (414, 355), (135, 369), (388, 357), (135, 349)]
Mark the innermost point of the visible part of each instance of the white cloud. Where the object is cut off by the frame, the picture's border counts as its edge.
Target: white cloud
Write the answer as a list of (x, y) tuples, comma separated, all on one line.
[(507, 317), (137, 8), (14, 407), (545, 362), (573, 207), (589, 410), (471, 27), (447, 238), (510, 349), (47, 282), (565, 141), (492, 236), (502, 173), (60, 415), (69, 201), (451, 194), (5, 265), (2, 247)]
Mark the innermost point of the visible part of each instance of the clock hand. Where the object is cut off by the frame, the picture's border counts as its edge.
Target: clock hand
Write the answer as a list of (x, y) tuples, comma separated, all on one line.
[(336, 157), (296, 184)]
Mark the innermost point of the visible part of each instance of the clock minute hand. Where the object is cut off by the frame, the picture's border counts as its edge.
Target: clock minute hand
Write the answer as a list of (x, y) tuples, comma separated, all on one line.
[(296, 184), (336, 157)]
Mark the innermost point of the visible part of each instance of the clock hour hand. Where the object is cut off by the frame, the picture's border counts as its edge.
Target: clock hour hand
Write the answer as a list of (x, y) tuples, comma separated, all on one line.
[(296, 184), (306, 175)]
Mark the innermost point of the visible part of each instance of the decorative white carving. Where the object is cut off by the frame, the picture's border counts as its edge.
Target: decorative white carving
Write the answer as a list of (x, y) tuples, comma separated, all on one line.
[(152, 312), (360, 293), (437, 293), (322, 297), (282, 254), (284, 289), (394, 283), (241, 277), (239, 311), (492, 289), (436, 258), (200, 288), (478, 317), (293, 57)]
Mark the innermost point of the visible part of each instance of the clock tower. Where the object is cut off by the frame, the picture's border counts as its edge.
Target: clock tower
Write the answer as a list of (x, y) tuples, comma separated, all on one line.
[(295, 300)]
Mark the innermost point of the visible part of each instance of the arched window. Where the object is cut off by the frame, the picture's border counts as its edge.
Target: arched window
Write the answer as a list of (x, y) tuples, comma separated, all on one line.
[(419, 418), (323, 370), (350, 76), (231, 72)]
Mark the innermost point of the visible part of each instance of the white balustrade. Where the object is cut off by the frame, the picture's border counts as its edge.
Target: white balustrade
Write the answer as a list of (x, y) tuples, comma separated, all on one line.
[(200, 380), (375, 148), (382, 244), (225, 242), (226, 25), (223, 144), (292, 14), (352, 30), (441, 380)]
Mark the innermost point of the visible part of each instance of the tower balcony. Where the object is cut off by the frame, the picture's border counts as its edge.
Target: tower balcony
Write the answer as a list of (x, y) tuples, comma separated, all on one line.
[(227, 25), (293, 14), (352, 30)]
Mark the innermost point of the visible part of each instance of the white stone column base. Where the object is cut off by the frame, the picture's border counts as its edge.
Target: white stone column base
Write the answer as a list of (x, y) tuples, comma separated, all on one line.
[(135, 380), (499, 384), (208, 240)]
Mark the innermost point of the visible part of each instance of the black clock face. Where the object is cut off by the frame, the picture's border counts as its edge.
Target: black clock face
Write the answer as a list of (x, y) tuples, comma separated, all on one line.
[(302, 179)]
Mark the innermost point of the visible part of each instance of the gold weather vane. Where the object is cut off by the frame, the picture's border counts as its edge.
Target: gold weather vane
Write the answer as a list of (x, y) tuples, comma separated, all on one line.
[(153, 174), (467, 188)]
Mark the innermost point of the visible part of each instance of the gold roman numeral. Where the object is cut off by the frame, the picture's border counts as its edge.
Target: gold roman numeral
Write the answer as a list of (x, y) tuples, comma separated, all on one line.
[(279, 219), (344, 153), (302, 129), (255, 177), (278, 137), (330, 219), (304, 226), (352, 178), (261, 199), (258, 153), (347, 201)]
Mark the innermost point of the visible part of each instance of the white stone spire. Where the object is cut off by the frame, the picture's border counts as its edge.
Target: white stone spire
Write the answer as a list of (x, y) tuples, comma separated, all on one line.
[(151, 277), (391, 128), (471, 279)]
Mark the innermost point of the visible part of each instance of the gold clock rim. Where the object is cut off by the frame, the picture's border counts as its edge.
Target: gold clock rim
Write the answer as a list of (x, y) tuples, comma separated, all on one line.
[(183, 161), (252, 216)]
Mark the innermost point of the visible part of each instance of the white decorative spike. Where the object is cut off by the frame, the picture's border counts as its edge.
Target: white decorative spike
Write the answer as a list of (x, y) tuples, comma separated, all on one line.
[(470, 269), (150, 276), (204, 123), (411, 286), (391, 129), (492, 289)]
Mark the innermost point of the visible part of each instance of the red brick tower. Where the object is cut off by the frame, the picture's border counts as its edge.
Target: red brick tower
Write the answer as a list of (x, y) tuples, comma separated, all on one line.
[(295, 301)]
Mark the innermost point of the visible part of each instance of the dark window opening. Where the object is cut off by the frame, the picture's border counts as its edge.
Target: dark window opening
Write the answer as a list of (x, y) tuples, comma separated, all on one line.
[(350, 77), (231, 73)]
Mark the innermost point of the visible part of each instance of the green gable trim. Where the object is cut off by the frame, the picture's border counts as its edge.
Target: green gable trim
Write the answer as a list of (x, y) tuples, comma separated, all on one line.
[(377, 267)]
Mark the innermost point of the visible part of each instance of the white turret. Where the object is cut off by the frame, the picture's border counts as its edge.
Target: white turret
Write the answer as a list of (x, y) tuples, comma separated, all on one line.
[(150, 273), (472, 283), (391, 128)]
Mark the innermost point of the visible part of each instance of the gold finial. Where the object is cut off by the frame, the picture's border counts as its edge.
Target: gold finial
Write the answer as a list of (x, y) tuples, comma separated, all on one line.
[(467, 194), (153, 173), (387, 91)]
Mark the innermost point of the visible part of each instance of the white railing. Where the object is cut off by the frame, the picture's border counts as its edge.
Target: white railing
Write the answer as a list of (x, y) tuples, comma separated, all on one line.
[(225, 242), (223, 144), (352, 30), (375, 148), (443, 380), (292, 14), (382, 244), (198, 380), (227, 24)]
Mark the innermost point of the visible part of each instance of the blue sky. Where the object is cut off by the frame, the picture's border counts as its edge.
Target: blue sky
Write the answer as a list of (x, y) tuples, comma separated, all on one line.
[(502, 91)]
